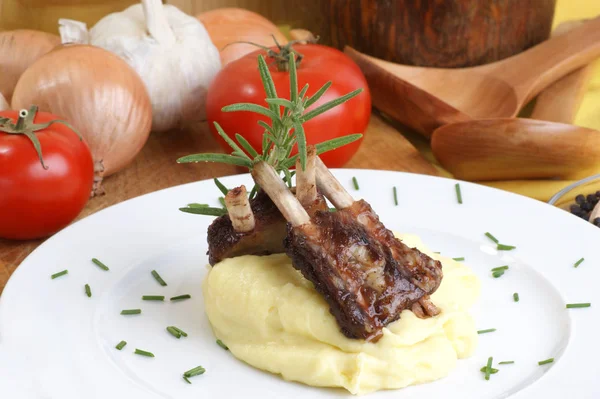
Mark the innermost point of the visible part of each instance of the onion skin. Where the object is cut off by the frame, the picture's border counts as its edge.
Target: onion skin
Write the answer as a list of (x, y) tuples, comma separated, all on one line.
[(98, 93), (3, 103), (18, 50), (228, 25)]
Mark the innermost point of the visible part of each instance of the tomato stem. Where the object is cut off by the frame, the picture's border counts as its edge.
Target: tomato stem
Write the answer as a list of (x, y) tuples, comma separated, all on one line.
[(21, 121)]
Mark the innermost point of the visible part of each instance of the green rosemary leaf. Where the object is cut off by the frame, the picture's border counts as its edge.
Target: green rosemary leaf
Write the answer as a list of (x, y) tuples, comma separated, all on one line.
[(222, 201), (221, 158), (315, 97), (236, 148), (266, 126), (207, 211), (280, 102), (268, 83), (303, 91), (328, 105), (301, 137), (246, 145), (327, 146), (250, 107), (221, 186), (197, 205), (253, 192), (288, 177), (293, 78)]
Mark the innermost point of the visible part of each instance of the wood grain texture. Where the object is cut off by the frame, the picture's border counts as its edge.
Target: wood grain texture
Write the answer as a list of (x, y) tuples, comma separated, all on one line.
[(155, 168)]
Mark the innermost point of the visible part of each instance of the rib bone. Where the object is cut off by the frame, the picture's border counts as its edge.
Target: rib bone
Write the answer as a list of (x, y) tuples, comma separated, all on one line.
[(238, 207), (331, 187), (306, 187), (266, 177)]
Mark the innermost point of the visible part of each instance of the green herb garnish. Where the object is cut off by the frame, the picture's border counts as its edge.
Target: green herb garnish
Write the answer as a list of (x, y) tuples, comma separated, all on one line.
[(173, 331), (222, 202), (355, 183), (195, 371), (222, 345), (88, 291), (495, 269), (221, 186), (489, 330), (180, 331), (131, 311), (143, 353), (491, 237), (180, 297), (459, 259), (458, 193), (579, 262), (492, 370), (285, 130), (100, 264), (121, 345), (158, 278), (516, 297), (547, 361), (488, 368), (498, 273), (56, 275), (502, 247), (395, 196), (578, 305), (507, 362), (186, 379), (205, 210), (153, 298)]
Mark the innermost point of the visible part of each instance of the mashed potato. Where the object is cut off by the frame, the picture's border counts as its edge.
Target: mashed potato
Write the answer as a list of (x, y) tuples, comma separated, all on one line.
[(272, 318)]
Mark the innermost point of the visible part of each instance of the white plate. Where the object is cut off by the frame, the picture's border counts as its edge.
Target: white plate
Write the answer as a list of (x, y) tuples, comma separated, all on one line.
[(57, 343)]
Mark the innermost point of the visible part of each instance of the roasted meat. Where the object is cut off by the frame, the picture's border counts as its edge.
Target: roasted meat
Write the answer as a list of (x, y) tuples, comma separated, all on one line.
[(266, 237), (367, 276)]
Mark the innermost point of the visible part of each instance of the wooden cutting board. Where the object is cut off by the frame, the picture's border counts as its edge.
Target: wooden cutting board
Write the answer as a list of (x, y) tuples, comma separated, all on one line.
[(155, 168)]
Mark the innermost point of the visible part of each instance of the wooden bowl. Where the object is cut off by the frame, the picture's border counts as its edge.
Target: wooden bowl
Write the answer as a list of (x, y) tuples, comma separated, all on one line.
[(435, 33)]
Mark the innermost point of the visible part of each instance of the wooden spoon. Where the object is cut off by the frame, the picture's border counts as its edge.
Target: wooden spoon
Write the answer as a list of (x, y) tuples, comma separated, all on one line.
[(427, 98), (498, 149)]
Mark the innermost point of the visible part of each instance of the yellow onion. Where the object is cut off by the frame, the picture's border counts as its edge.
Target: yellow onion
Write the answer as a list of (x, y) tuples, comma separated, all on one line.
[(3, 103), (18, 50), (228, 25), (98, 93)]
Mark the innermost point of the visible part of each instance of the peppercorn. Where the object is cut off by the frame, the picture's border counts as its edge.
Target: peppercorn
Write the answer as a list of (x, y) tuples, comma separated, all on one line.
[(580, 199), (597, 222), (592, 199)]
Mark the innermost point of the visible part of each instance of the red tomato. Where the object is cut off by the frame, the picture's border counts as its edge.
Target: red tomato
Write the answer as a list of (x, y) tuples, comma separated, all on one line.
[(239, 82), (37, 202)]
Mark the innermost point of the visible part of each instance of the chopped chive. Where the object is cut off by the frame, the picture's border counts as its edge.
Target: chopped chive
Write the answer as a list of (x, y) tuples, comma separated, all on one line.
[(194, 372), (158, 278), (579, 262), (131, 311), (174, 332), (180, 331), (492, 371), (458, 259), (143, 353), (547, 361), (578, 305), (221, 186), (507, 362), (488, 368), (56, 275), (222, 345), (180, 297), (458, 193), (355, 183), (495, 269), (437, 252), (186, 379), (100, 264), (516, 297), (498, 273), (491, 237), (395, 196), (121, 345), (88, 291), (502, 247), (489, 330), (153, 298)]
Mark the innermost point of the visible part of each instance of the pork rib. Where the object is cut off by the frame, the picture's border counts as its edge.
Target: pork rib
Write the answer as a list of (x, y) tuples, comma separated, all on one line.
[(366, 275)]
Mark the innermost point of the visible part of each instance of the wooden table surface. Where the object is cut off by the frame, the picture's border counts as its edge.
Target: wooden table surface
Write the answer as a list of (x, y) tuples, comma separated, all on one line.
[(155, 168)]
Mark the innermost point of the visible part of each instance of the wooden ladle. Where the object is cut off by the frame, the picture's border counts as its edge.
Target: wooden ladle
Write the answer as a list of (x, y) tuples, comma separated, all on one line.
[(517, 148), (427, 98)]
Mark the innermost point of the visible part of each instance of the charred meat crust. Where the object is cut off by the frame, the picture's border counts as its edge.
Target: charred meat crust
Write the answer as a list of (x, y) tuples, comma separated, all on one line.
[(366, 275), (266, 238)]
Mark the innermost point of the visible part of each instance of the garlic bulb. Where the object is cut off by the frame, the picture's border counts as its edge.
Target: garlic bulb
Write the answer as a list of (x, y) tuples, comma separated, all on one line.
[(99, 94), (169, 49)]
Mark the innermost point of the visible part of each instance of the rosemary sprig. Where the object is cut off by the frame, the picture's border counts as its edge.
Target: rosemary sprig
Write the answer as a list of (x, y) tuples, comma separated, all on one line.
[(285, 130)]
